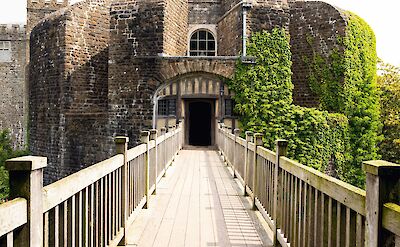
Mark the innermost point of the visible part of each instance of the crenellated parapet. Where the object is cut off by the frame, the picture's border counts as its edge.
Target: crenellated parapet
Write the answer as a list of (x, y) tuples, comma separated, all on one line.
[(39, 9), (12, 32)]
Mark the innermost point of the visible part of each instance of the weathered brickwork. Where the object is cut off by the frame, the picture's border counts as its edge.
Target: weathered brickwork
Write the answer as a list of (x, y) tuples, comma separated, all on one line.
[(204, 12), (266, 17), (175, 27), (40, 9), (12, 82), (230, 27), (322, 24), (68, 81), (97, 65)]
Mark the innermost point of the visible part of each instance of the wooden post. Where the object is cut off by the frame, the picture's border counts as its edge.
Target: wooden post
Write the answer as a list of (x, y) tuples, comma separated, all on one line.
[(249, 135), (26, 181), (281, 150), (153, 136), (121, 144), (257, 142), (382, 177), (235, 156), (145, 139), (163, 133)]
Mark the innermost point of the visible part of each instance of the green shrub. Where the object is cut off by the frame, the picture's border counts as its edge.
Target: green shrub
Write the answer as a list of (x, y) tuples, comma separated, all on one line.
[(389, 84), (6, 152)]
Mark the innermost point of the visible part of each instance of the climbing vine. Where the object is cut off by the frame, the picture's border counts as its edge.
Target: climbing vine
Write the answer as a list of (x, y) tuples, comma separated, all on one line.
[(345, 82), (263, 95)]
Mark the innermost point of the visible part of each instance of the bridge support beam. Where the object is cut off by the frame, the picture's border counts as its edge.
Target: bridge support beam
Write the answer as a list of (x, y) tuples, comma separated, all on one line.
[(382, 177)]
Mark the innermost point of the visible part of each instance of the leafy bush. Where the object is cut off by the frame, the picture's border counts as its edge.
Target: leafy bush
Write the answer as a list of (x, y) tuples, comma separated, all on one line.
[(6, 152), (389, 84), (263, 96)]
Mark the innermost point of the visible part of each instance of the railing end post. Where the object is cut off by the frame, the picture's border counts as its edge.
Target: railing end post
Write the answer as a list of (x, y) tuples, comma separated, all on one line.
[(281, 147), (26, 181), (381, 178), (145, 136)]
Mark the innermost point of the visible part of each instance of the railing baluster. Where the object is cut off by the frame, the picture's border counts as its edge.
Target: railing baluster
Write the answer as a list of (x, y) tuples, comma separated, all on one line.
[(56, 226), (338, 223)]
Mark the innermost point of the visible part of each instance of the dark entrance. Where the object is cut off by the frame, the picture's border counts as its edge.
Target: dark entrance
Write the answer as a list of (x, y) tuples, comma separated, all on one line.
[(200, 123)]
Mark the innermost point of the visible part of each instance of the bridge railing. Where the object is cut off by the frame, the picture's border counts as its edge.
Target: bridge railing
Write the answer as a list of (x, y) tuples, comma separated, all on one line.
[(92, 207), (305, 207)]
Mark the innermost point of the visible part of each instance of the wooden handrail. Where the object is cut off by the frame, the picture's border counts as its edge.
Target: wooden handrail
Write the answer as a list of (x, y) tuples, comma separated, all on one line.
[(13, 214), (57, 192), (337, 211), (345, 193)]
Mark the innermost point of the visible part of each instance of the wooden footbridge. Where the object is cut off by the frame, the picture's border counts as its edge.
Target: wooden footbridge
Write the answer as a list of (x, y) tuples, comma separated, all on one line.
[(157, 194)]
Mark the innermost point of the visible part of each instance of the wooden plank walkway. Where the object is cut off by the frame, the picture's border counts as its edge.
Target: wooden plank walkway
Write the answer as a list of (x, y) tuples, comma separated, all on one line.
[(198, 204)]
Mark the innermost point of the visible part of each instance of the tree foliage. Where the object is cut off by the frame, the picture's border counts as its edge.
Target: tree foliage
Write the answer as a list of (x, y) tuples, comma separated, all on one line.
[(6, 152), (389, 84)]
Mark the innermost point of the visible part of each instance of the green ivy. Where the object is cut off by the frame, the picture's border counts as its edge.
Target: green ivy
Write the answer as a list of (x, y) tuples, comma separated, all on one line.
[(346, 83), (6, 152), (263, 95), (389, 84)]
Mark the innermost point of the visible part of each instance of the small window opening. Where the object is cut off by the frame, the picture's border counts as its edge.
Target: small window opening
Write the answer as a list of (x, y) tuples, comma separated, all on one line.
[(202, 43), (5, 51), (230, 108), (167, 107)]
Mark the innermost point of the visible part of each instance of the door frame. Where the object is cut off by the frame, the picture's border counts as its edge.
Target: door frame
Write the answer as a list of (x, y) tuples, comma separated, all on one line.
[(187, 117)]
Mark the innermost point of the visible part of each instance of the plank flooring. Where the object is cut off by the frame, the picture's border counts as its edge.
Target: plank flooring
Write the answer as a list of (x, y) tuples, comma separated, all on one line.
[(197, 204)]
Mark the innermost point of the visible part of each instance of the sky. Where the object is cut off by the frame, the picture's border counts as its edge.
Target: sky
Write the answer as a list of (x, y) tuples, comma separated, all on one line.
[(382, 15)]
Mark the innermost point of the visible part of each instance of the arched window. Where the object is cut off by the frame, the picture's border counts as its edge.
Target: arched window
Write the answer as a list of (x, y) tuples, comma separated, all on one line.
[(202, 43)]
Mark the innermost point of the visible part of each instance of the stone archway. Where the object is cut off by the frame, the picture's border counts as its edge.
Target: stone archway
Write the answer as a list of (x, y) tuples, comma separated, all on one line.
[(199, 99)]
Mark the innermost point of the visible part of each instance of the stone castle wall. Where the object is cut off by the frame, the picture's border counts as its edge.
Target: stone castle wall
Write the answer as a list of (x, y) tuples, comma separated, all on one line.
[(322, 24), (12, 83), (97, 67), (204, 12), (68, 81)]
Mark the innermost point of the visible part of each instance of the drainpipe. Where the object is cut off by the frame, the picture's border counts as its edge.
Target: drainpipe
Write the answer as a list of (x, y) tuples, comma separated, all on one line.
[(245, 7)]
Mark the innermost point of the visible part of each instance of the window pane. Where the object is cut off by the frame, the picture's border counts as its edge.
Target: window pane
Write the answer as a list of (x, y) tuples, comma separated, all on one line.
[(202, 34), (193, 54), (202, 45), (193, 45), (211, 46), (210, 36), (195, 36), (211, 54)]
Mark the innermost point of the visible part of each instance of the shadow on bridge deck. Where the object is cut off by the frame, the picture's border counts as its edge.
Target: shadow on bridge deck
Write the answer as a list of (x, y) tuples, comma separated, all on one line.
[(198, 204)]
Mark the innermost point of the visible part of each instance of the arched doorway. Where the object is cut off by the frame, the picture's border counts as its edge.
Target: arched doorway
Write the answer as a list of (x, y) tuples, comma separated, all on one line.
[(200, 119), (200, 100)]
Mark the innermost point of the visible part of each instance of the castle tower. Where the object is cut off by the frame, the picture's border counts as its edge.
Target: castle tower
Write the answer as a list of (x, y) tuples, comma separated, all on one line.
[(39, 9)]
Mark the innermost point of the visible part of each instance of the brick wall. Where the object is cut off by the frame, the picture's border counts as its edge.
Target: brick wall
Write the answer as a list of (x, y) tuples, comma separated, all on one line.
[(323, 24), (68, 81), (204, 12), (12, 83), (267, 16), (230, 29), (175, 27), (39, 9), (136, 40)]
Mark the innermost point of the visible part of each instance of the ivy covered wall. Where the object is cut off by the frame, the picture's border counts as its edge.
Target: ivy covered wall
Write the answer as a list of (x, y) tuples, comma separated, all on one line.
[(345, 82), (344, 130)]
